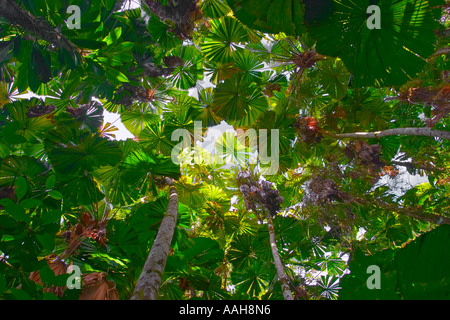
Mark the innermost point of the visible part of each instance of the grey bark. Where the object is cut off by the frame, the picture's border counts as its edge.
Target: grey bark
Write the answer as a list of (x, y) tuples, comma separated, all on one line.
[(10, 10), (428, 132), (282, 278), (149, 281)]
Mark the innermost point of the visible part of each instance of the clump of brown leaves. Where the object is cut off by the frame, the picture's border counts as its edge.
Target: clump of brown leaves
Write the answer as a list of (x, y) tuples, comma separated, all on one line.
[(96, 286), (324, 190), (437, 97), (259, 196), (308, 129), (58, 267), (40, 110), (307, 59), (183, 14), (369, 156), (87, 227)]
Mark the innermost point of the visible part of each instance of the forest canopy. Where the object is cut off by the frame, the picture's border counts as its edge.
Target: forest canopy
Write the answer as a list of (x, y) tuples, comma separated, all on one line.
[(276, 149)]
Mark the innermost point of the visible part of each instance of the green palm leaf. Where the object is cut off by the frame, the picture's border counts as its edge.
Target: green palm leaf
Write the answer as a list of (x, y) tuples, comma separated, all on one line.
[(148, 217), (88, 117), (12, 167), (278, 50), (137, 119), (239, 102), (186, 75), (249, 64), (246, 249), (226, 33), (155, 137), (206, 112), (334, 77), (271, 16), (73, 150), (367, 109), (385, 56), (139, 164), (4, 94), (214, 8), (129, 179), (30, 128), (254, 279), (79, 189), (188, 192), (233, 150), (181, 115)]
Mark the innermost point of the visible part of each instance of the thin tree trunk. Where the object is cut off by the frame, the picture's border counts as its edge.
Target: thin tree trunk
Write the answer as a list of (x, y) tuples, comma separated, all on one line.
[(10, 10), (282, 278), (428, 132), (149, 281)]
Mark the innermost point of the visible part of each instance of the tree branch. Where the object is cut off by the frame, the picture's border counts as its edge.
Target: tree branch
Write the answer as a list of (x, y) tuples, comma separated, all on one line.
[(424, 216), (413, 212), (416, 213), (10, 10), (416, 166), (443, 33), (428, 132)]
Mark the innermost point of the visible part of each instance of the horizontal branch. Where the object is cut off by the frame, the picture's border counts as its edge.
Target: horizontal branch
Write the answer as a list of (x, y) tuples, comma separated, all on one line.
[(427, 132), (149, 281), (413, 165), (443, 33), (427, 217), (417, 212), (441, 51), (10, 10)]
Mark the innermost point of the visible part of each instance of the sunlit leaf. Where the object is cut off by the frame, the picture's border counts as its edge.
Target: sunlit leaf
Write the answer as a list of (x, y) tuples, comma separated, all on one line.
[(226, 33)]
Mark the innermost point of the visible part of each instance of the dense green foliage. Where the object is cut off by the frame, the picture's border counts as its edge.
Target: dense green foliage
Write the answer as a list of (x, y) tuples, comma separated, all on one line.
[(73, 194)]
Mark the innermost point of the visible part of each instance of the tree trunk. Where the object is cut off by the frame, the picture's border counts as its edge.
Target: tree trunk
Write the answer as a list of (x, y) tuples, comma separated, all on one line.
[(10, 10), (282, 278), (149, 281), (428, 132)]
